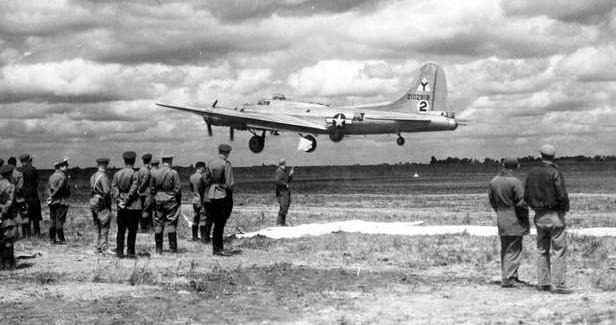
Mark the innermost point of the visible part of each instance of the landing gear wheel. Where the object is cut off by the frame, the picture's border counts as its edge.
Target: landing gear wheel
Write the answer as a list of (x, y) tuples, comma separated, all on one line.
[(400, 141), (336, 136), (314, 143), (256, 143)]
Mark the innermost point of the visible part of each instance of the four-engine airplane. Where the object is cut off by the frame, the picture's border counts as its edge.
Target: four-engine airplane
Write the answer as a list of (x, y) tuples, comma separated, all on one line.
[(421, 109)]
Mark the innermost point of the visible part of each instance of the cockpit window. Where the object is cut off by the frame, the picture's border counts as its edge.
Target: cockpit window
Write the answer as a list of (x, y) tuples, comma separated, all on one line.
[(263, 102), (279, 97)]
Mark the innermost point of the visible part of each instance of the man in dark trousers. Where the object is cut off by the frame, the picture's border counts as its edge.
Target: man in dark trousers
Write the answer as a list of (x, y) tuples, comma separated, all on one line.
[(8, 226), (30, 193), (59, 192), (506, 195), (166, 187), (546, 193), (125, 186), (196, 180), (143, 189), (281, 180), (100, 204), (220, 181), (21, 210)]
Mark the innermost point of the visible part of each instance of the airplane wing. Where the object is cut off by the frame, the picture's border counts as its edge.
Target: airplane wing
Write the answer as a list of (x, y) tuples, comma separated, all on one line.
[(229, 116)]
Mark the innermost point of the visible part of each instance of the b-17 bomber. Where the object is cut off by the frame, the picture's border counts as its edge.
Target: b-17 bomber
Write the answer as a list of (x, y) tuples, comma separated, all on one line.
[(423, 108)]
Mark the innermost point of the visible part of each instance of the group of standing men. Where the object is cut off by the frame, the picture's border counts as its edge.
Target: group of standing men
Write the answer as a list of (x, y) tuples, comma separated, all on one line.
[(148, 197), (138, 193), (20, 207), (546, 194)]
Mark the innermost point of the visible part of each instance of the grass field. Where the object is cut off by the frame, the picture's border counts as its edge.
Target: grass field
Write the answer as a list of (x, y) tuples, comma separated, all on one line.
[(341, 278)]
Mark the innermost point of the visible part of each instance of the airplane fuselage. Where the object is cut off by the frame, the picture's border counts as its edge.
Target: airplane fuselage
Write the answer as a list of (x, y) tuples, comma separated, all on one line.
[(352, 120)]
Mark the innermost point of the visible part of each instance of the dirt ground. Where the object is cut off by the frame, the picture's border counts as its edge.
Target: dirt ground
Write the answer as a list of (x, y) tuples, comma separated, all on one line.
[(341, 278)]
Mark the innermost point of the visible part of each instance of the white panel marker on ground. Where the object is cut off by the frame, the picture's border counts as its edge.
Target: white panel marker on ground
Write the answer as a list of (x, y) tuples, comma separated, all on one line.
[(399, 228)]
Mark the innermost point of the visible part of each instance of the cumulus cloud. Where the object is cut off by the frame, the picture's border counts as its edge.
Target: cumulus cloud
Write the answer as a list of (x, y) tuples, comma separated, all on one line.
[(344, 78), (80, 75), (586, 12), (591, 64)]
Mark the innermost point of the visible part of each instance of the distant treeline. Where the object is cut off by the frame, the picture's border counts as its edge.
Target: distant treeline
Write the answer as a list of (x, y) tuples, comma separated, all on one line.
[(527, 159)]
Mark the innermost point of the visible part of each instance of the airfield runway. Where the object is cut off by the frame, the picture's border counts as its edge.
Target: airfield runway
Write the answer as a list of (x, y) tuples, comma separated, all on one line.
[(335, 277)]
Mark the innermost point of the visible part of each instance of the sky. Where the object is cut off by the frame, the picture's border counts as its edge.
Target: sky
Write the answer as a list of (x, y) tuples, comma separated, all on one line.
[(80, 78)]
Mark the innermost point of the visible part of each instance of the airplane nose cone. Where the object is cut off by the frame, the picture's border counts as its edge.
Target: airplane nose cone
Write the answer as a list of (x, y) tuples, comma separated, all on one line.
[(453, 124)]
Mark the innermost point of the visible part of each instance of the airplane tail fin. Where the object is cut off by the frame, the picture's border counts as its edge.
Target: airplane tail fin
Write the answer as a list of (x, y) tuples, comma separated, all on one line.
[(427, 93)]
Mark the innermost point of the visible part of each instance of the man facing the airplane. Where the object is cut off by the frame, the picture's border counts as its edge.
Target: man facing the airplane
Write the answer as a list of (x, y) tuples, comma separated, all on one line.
[(507, 199)]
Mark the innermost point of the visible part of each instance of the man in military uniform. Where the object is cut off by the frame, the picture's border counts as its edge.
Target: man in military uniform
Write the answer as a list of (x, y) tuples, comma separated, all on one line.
[(283, 193), (546, 194), (30, 193), (59, 192), (219, 178), (166, 187), (100, 203), (143, 189), (196, 185), (125, 189), (21, 211), (8, 227), (207, 220), (506, 195)]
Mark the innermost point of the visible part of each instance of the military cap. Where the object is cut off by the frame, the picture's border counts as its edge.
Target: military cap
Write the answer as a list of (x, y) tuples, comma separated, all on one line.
[(282, 162), (5, 169), (11, 161), (224, 148), (146, 156), (200, 164), (25, 157), (155, 162), (102, 160), (129, 155), (547, 150), (64, 161), (510, 162)]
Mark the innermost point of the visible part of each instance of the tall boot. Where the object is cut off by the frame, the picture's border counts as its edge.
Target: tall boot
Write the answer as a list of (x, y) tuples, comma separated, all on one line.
[(52, 234), (158, 238), (195, 233), (173, 242), (61, 239), (208, 232), (26, 230), (205, 236), (36, 227)]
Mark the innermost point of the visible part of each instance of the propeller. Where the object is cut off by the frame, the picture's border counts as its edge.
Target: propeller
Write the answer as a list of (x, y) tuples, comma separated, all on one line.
[(231, 134), (214, 104)]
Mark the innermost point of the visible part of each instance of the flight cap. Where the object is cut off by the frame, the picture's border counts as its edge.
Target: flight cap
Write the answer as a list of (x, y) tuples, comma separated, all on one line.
[(200, 164), (155, 162), (63, 161), (102, 160), (25, 157), (11, 161), (547, 150), (129, 155), (146, 156), (224, 148)]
